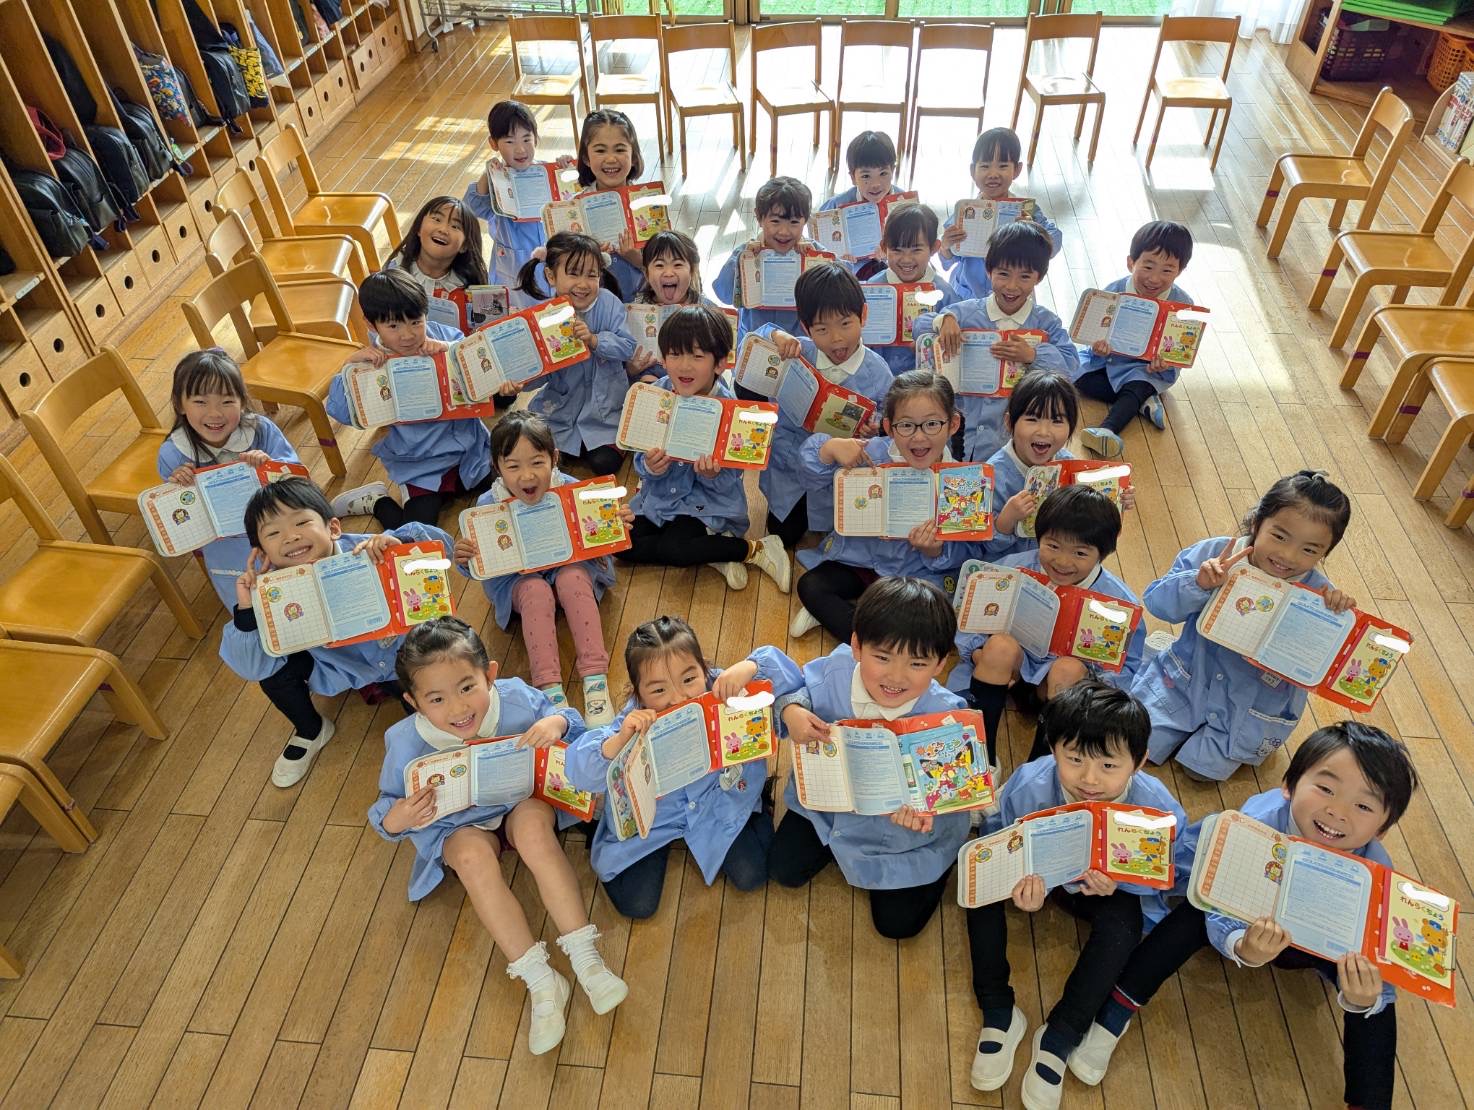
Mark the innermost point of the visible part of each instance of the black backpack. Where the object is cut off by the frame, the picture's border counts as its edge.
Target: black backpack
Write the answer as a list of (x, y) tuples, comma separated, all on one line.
[(120, 164), (71, 81), (84, 180), (143, 133), (59, 221), (227, 83)]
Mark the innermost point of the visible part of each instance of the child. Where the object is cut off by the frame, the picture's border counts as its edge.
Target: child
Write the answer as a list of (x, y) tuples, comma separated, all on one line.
[(782, 205), (997, 159), (430, 460), (908, 242), (609, 158), (1077, 528), (672, 265), (526, 462), (512, 132), (442, 251), (1211, 708), (1159, 252), (720, 816), (871, 158), (1018, 259), (290, 524), (214, 424), (832, 312), (920, 416), (690, 513), (1097, 744), (582, 402), (886, 670), (1346, 786), (453, 688), (1042, 413)]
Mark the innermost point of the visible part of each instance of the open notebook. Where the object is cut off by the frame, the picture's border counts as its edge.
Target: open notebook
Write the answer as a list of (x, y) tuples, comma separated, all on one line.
[(1111, 478), (570, 523), (186, 518), (765, 278), (980, 217), (892, 310), (737, 433), (853, 231), (1140, 327), (607, 215), (644, 322), (803, 394), (523, 194), (496, 772), (892, 499), (974, 370)]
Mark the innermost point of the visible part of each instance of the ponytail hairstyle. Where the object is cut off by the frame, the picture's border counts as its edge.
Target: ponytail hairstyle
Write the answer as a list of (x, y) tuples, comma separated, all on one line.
[(433, 641), (470, 264), (207, 371), (564, 249), (655, 639), (1310, 492)]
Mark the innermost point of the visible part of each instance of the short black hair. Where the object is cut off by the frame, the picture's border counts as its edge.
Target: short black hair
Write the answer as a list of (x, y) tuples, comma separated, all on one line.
[(1096, 719), (1023, 244), (907, 222), (507, 114), (870, 150), (1386, 762), (1082, 513), (906, 614), (392, 297), (1045, 393), (282, 497), (1172, 239), (827, 289), (696, 327), (998, 142), (785, 196)]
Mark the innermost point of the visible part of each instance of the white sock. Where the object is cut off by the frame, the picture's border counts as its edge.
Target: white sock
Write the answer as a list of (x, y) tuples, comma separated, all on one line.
[(604, 989)]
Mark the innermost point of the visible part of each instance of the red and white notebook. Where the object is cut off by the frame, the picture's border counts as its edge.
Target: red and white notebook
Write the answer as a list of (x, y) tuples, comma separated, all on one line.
[(569, 524), (1330, 903), (682, 746), (766, 278), (608, 214), (980, 217), (893, 310), (1111, 478), (1140, 327), (1047, 619), (892, 499), (1130, 844), (644, 322), (853, 231), (803, 394), (497, 772), (521, 194), (180, 519), (468, 307), (974, 370), (1286, 628), (347, 598), (515, 349), (738, 433)]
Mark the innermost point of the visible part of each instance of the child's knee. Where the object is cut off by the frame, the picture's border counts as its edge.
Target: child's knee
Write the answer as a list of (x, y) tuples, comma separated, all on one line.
[(470, 850), (1065, 672), (531, 828)]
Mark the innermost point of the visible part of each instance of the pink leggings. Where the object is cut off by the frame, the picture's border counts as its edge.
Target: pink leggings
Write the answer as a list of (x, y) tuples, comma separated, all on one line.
[(534, 599)]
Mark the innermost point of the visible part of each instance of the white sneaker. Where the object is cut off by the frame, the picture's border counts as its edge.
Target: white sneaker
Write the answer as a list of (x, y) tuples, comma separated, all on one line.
[(360, 501), (289, 772), (802, 624), (598, 711), (734, 573), (1037, 1092), (772, 559), (605, 990), (549, 1000), (1102, 442), (990, 1070), (1092, 1056)]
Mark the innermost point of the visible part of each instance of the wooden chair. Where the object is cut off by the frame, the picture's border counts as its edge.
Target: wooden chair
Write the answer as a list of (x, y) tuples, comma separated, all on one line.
[(613, 89), (59, 817), (322, 306), (798, 96), (1195, 91), (549, 88), (299, 258), (292, 369), (1401, 259), (352, 214), (708, 97), (70, 593), (887, 86), (946, 95), (1453, 380), (1340, 177), (1417, 334), (115, 488), (1068, 87)]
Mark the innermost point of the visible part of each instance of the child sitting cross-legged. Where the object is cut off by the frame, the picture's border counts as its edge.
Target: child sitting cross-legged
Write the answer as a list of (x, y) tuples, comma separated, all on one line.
[(1097, 738)]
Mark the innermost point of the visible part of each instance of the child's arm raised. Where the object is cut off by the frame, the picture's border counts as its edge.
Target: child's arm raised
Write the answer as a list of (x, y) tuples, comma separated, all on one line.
[(337, 402), (1180, 594), (724, 285)]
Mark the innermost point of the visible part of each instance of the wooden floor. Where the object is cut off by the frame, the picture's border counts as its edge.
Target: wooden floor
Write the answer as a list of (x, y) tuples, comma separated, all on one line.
[(230, 943)]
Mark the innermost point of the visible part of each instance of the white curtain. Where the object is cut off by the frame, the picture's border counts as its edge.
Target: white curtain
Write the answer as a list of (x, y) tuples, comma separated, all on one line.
[(1279, 17)]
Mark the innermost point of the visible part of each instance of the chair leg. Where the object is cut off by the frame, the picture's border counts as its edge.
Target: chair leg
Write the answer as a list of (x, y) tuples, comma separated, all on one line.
[(739, 132), (1271, 193), (45, 810), (1356, 299), (1034, 136), (1362, 351), (391, 227), (1080, 121), (326, 438), (684, 172), (364, 237), (1338, 213), (1454, 438), (1145, 100), (48, 783), (1018, 103), (1208, 134), (91, 520), (129, 703), (1458, 516), (1157, 130), (1327, 276), (175, 601), (1222, 134), (573, 117), (1412, 403), (1282, 228), (1406, 373), (1095, 132)]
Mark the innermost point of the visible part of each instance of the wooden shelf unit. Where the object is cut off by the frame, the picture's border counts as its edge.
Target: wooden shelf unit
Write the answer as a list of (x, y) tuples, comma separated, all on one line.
[(56, 312)]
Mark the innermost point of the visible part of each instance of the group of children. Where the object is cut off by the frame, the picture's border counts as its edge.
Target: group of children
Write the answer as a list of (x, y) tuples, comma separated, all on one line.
[(881, 599)]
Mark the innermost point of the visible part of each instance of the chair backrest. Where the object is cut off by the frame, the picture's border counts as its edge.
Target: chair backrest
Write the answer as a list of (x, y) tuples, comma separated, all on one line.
[(781, 36), (13, 488), (680, 38), (96, 380), (273, 163), (1391, 116), (876, 32), (626, 28), (1056, 28), (227, 243), (227, 294), (544, 28), (238, 194), (1198, 28), (953, 36)]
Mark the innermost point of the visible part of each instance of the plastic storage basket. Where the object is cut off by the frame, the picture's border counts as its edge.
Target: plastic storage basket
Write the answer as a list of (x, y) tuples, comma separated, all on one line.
[(1357, 55)]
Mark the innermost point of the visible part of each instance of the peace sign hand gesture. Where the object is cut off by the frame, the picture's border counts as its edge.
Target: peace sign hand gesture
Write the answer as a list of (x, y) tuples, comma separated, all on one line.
[(1213, 571)]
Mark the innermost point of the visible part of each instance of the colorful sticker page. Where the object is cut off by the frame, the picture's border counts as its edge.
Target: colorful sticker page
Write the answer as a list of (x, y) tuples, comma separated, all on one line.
[(948, 766), (1242, 613), (744, 734), (596, 511), (889, 502), (1364, 672), (555, 785), (177, 518), (522, 194), (1041, 481), (512, 537), (424, 586), (1238, 867), (290, 612), (1102, 632), (1138, 846), (822, 779), (1418, 930), (981, 217), (1323, 901), (965, 500), (630, 790), (749, 436), (449, 772), (1182, 335)]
